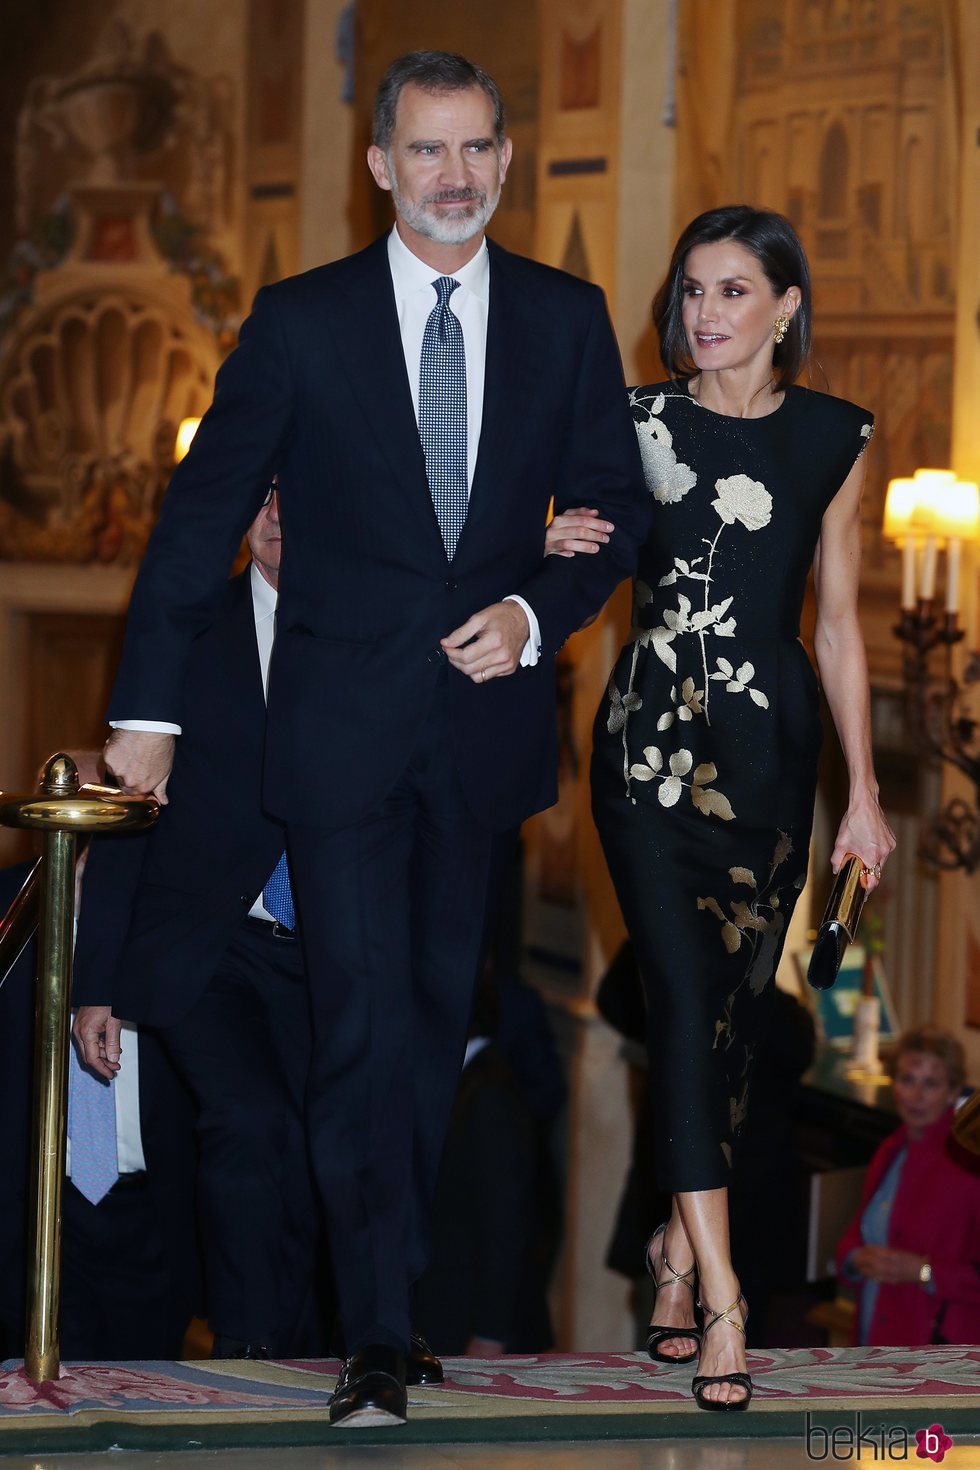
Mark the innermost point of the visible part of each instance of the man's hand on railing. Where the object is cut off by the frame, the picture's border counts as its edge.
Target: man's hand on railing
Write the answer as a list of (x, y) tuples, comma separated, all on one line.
[(140, 760), (96, 1031)]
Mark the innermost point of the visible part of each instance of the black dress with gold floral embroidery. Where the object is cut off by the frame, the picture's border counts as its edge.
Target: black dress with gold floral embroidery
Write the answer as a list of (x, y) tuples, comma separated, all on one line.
[(705, 751)]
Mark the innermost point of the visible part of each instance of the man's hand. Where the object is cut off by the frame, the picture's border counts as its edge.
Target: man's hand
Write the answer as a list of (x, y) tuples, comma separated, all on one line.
[(140, 760), (490, 643), (576, 531), (96, 1032)]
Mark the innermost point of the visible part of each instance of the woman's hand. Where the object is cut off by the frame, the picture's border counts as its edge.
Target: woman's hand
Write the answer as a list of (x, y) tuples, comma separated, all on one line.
[(881, 1263), (575, 531), (865, 832)]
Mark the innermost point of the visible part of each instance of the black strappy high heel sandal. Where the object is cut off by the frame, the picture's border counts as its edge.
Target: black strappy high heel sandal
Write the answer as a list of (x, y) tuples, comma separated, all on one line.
[(657, 1335), (740, 1380)]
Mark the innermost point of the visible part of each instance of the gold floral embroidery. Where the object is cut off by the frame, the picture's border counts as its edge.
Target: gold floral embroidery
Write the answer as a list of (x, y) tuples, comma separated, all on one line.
[(738, 499), (758, 921), (667, 478), (620, 707), (703, 797), (687, 706), (745, 500), (738, 680)]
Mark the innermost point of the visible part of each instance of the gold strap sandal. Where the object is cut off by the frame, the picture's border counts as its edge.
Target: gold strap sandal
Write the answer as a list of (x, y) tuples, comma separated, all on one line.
[(739, 1380), (658, 1335)]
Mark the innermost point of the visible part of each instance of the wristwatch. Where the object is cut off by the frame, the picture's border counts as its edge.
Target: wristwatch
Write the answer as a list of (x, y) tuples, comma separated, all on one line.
[(925, 1274)]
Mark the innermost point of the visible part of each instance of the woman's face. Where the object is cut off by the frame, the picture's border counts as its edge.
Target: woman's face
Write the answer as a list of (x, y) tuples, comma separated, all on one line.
[(922, 1090), (729, 308)]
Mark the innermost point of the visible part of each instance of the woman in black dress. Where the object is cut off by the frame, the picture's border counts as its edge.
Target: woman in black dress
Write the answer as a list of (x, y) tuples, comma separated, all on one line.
[(705, 753)]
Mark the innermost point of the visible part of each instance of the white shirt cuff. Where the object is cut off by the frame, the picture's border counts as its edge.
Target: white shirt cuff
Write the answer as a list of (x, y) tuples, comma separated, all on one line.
[(531, 651), (152, 727)]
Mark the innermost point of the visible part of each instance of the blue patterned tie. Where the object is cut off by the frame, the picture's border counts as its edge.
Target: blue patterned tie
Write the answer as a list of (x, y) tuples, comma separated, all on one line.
[(92, 1130), (277, 896), (442, 414)]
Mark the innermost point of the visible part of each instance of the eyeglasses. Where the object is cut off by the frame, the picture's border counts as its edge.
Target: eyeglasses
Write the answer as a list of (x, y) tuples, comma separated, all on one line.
[(274, 486)]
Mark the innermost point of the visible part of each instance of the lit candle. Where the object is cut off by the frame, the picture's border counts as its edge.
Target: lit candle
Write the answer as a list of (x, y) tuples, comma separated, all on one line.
[(908, 575), (953, 574), (927, 584)]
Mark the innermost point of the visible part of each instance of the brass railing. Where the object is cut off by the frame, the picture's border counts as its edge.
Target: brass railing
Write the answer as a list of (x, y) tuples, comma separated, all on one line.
[(17, 925), (61, 810)]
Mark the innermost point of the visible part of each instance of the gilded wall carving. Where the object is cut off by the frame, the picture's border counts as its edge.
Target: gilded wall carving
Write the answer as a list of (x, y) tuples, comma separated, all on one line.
[(840, 114), (116, 305)]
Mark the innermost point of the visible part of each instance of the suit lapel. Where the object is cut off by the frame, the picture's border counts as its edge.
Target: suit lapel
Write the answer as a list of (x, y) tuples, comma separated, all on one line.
[(369, 345), (240, 653), (514, 339)]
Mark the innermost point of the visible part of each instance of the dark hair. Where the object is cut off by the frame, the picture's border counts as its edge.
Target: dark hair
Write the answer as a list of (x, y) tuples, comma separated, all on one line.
[(433, 71), (933, 1042), (776, 246)]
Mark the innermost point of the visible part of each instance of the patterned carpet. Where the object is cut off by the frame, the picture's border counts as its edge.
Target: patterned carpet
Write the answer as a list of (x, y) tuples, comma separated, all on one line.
[(601, 1396)]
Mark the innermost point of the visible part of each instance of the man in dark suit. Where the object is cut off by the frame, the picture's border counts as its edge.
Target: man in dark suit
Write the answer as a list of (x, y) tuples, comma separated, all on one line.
[(423, 402), (219, 980)]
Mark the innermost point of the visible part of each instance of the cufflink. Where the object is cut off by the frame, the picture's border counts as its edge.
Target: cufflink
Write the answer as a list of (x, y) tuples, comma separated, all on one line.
[(925, 1274)]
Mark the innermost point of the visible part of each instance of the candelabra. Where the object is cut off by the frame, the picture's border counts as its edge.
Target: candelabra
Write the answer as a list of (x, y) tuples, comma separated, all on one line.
[(925, 515)]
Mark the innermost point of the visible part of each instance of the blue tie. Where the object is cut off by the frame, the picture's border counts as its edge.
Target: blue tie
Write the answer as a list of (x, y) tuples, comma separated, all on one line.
[(277, 896), (442, 414), (92, 1130)]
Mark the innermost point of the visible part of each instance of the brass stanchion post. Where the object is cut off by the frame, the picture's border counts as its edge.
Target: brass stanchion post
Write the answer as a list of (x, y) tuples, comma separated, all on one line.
[(52, 1008), (60, 809)]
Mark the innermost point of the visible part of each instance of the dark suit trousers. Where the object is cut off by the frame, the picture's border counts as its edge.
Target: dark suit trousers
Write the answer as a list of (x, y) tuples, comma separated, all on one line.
[(243, 1050), (392, 911), (118, 1299)]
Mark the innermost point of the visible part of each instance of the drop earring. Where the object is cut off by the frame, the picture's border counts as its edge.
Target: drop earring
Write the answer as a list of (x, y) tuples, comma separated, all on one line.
[(779, 328)]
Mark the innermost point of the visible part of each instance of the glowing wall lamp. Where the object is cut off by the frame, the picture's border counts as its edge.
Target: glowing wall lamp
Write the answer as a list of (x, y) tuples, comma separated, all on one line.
[(926, 515), (186, 432)]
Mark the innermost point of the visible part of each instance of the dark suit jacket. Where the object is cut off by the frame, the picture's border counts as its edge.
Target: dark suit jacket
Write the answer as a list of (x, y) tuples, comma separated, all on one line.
[(318, 392), (211, 851)]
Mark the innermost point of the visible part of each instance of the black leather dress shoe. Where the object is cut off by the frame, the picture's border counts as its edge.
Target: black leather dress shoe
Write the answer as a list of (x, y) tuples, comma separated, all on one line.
[(233, 1347), (370, 1389), (422, 1368)]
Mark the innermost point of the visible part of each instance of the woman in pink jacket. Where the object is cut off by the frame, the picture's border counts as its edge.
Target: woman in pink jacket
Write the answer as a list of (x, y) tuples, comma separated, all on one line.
[(913, 1248)]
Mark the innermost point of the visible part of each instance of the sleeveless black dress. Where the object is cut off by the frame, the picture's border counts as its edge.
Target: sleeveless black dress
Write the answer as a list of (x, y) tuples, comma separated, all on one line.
[(705, 752)]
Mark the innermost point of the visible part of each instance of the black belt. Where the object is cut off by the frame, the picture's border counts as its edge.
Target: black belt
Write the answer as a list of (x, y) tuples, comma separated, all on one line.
[(134, 1179), (271, 928)]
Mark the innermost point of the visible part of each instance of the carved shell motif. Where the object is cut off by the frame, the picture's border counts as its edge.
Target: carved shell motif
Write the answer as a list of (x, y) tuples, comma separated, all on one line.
[(91, 394)]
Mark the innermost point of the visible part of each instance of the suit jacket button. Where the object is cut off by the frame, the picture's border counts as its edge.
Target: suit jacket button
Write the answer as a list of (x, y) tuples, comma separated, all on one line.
[(451, 585)]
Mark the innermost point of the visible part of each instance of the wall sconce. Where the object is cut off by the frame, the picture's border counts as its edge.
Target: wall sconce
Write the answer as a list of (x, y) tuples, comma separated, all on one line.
[(931, 513), (185, 433)]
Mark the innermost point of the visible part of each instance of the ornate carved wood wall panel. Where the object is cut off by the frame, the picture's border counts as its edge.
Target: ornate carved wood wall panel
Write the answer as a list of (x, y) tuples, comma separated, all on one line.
[(117, 297), (273, 143)]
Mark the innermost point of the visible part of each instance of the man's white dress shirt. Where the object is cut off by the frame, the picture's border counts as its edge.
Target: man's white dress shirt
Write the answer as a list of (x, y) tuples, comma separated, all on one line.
[(264, 600), (413, 281), (414, 299)]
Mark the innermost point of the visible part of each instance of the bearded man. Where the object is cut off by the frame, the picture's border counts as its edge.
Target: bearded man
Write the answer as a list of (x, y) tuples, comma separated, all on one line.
[(422, 402)]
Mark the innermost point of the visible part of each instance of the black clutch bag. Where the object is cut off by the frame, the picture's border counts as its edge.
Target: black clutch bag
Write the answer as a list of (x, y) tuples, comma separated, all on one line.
[(838, 925)]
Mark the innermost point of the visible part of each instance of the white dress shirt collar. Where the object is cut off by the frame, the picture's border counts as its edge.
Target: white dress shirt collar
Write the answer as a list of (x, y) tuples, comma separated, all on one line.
[(410, 274), (264, 597)]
